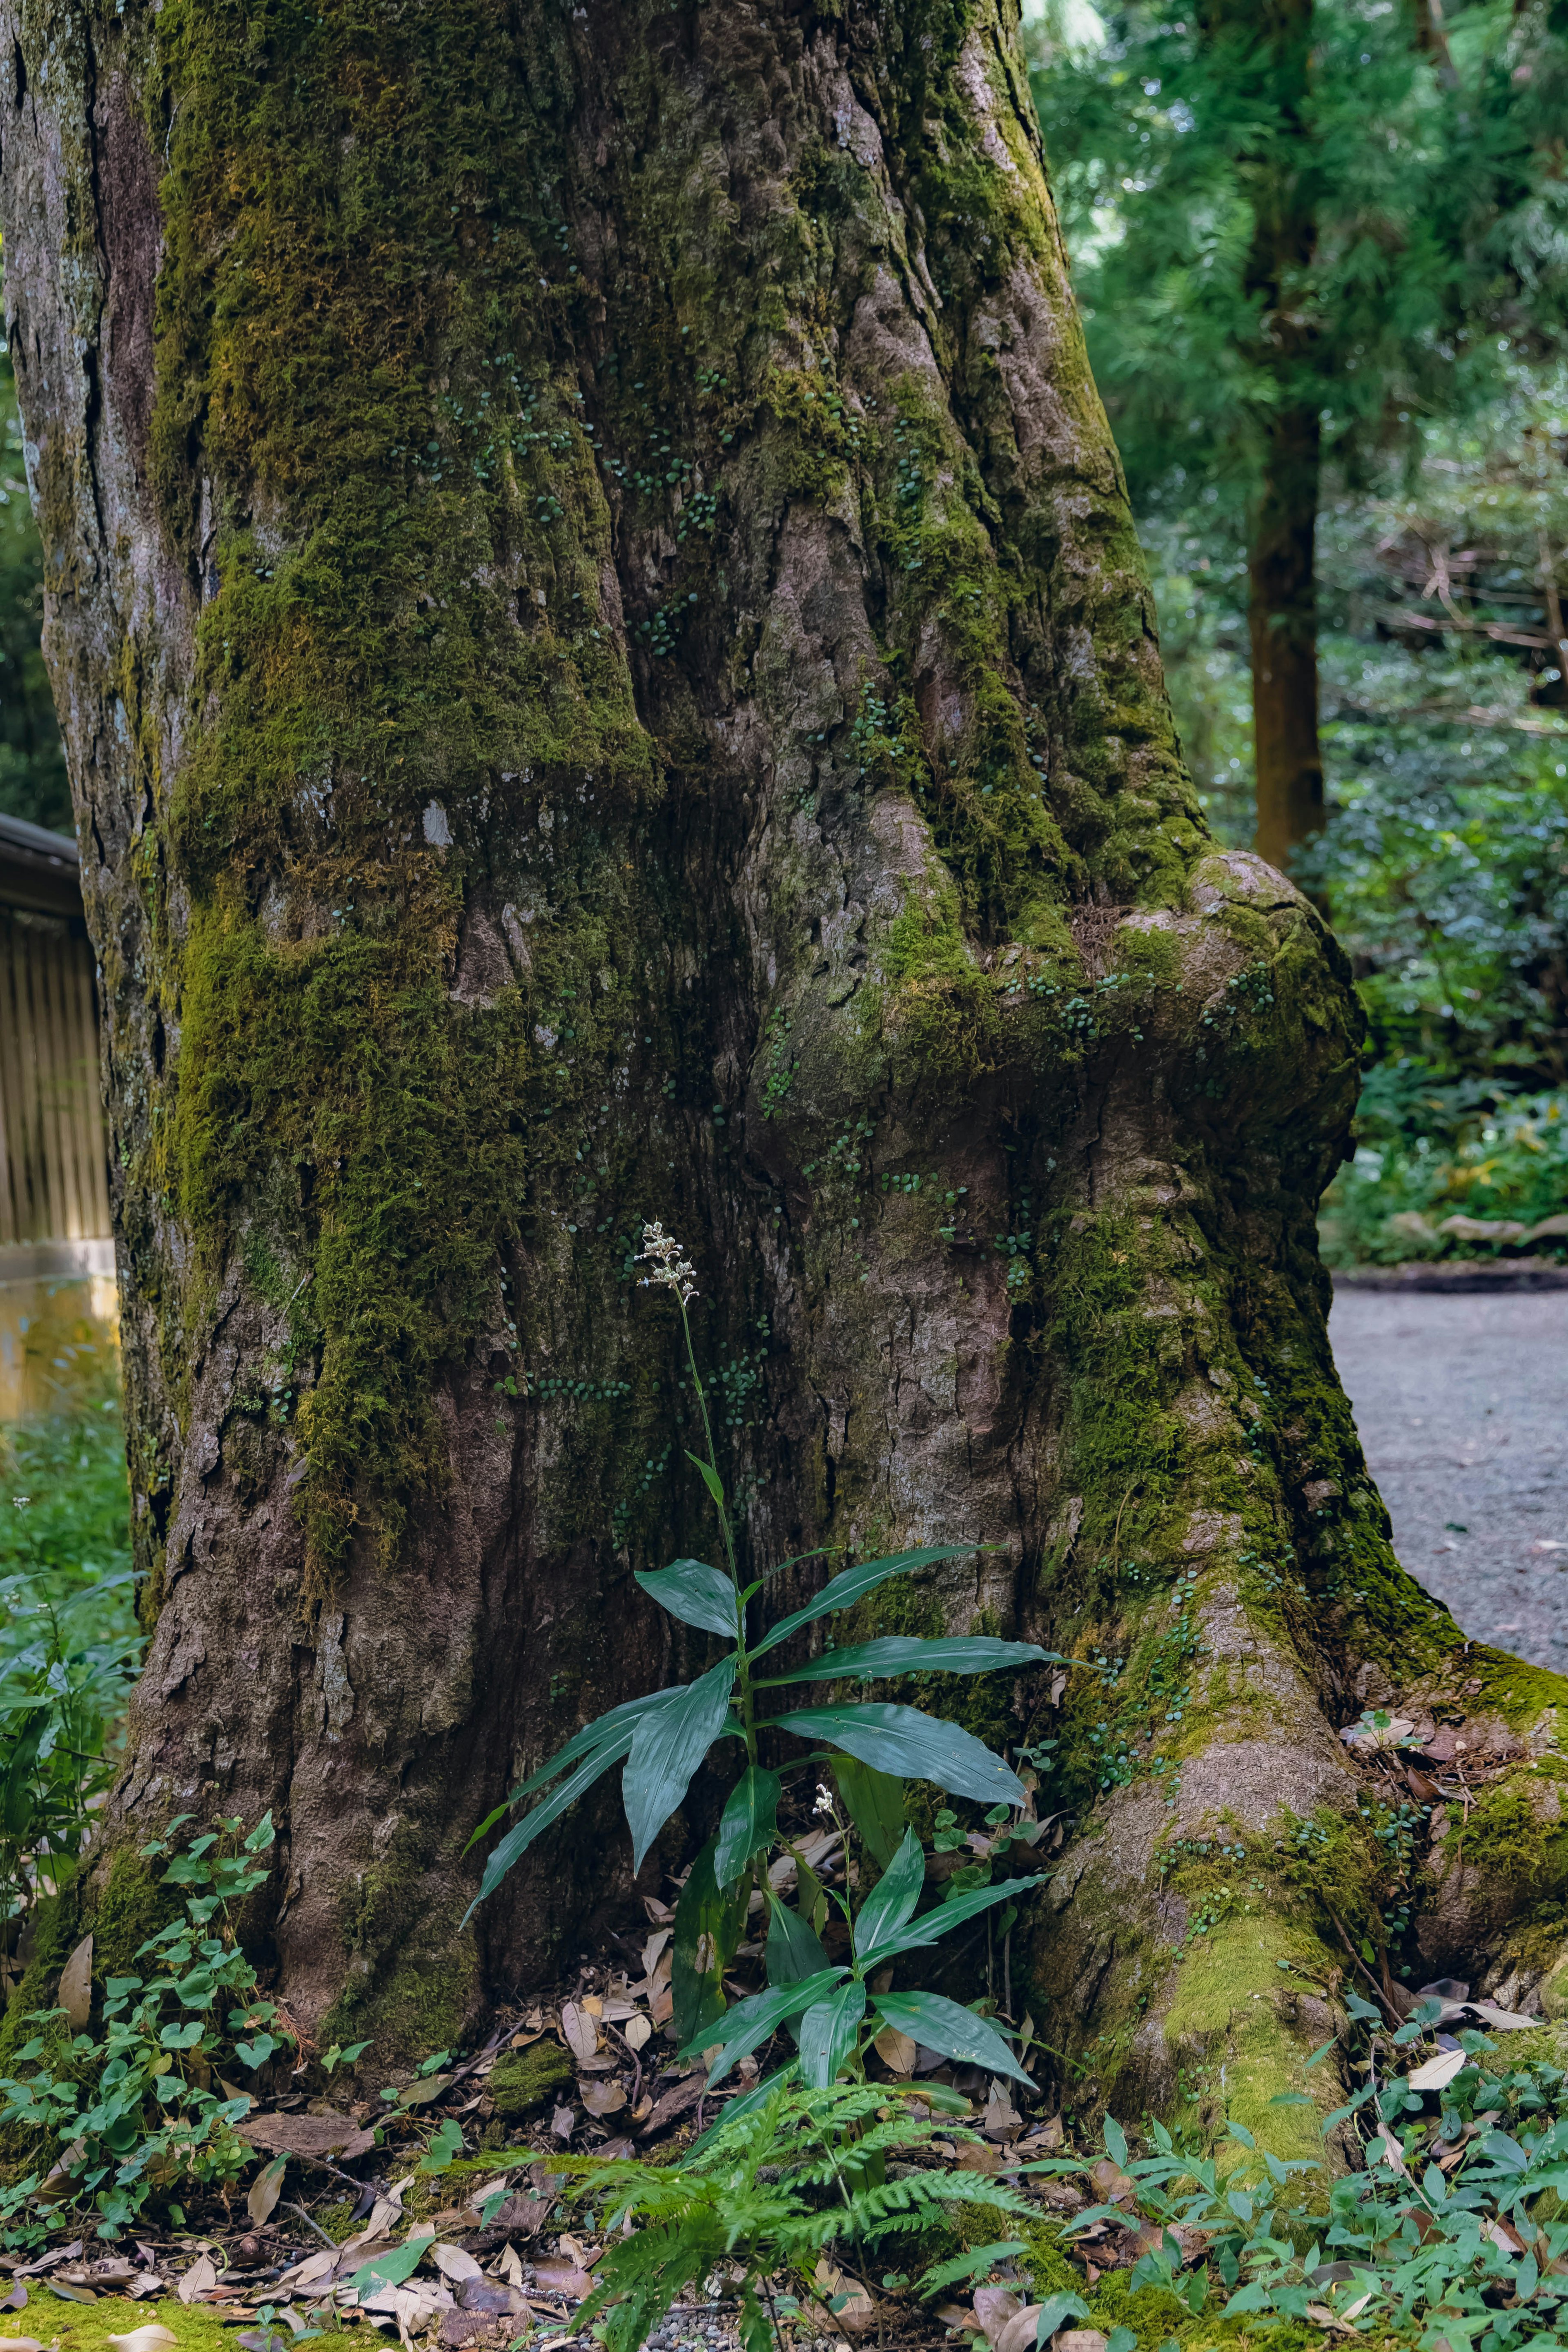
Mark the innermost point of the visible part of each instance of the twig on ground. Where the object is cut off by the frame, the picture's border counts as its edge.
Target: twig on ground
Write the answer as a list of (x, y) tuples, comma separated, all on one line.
[(312, 2224)]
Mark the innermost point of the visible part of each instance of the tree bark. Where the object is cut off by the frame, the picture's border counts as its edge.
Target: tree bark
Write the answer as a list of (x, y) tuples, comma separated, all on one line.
[(1282, 625), (607, 675)]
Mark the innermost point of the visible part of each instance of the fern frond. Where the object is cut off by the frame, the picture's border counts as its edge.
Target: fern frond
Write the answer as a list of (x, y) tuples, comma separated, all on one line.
[(972, 2189)]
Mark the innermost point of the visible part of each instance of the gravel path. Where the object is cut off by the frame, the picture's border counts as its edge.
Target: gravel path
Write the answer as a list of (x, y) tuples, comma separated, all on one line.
[(1462, 1404)]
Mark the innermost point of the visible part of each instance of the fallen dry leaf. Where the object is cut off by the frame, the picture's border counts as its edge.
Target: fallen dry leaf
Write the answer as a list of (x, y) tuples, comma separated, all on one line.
[(75, 1995), (1439, 2072), (454, 2262), (896, 2051), (995, 2307), (638, 2029), (510, 2266), (151, 2337), (581, 2030), (602, 2098), (1000, 2119), (306, 2136), (265, 2190), (200, 2279), (679, 2100), (1112, 2184), (310, 2271), (25, 2343), (562, 2123), (856, 2313), (563, 2278)]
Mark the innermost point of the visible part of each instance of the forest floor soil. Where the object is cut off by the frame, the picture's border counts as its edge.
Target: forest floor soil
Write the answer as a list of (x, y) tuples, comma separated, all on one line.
[(1462, 1405)]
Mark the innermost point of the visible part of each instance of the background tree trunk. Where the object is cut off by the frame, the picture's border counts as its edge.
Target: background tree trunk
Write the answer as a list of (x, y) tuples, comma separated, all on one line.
[(1282, 625), (1282, 525), (607, 675)]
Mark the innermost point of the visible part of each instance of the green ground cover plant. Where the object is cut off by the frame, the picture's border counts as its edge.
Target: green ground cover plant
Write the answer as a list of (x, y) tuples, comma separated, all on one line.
[(69, 1644), (766, 2192), (1448, 2230), (1452, 2232), (139, 2109)]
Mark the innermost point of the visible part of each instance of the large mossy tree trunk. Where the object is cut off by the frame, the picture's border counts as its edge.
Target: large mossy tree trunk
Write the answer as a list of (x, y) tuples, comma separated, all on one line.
[(607, 675)]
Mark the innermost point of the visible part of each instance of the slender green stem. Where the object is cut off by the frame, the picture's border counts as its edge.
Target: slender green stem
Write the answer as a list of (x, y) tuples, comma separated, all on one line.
[(742, 1661)]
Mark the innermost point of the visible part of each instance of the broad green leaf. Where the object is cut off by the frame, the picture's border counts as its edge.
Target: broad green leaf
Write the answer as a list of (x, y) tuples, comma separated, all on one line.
[(601, 1733), (518, 1839), (709, 1925), (841, 1591), (667, 1748), (749, 1819), (917, 1747), (897, 1653), (892, 1902), (708, 1475), (1055, 2310), (946, 1916), (875, 1803), (794, 1951), (750, 2022), (955, 2032), (696, 1594), (827, 2032), (392, 2269)]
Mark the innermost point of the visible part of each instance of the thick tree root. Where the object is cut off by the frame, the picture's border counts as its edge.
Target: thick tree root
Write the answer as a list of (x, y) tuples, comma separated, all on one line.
[(1198, 1943)]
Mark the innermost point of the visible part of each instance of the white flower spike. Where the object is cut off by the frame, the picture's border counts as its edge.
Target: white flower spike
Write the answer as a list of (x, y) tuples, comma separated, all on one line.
[(671, 1270)]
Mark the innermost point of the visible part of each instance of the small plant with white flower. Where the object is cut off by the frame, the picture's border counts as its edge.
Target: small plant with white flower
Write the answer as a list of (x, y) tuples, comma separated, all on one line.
[(828, 2004)]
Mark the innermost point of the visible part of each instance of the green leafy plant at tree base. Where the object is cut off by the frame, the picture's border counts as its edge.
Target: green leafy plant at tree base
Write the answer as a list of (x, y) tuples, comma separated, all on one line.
[(127, 2117), (1451, 2235), (760, 2200), (665, 1738), (69, 1647)]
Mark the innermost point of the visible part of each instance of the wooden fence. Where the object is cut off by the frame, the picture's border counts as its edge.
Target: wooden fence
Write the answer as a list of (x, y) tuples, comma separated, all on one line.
[(53, 1179), (57, 1255)]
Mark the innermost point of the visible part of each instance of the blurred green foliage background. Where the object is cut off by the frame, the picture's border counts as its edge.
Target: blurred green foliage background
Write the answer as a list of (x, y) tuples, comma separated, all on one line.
[(1429, 318)]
